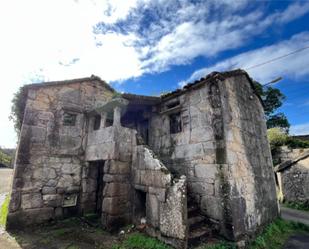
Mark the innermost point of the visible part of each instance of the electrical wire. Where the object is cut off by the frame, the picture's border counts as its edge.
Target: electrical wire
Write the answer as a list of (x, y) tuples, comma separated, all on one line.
[(277, 58)]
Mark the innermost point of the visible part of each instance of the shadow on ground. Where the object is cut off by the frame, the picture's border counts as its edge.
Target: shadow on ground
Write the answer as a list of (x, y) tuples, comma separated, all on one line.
[(74, 233)]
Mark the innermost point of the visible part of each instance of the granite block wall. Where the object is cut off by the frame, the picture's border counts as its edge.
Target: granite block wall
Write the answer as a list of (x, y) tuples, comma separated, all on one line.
[(166, 198), (223, 150), (50, 154)]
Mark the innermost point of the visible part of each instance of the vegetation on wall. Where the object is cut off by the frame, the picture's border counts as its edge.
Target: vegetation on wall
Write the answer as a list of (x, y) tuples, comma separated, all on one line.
[(18, 108)]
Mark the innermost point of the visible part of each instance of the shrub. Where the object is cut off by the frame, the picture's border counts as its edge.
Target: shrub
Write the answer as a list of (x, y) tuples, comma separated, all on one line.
[(296, 143), (276, 137)]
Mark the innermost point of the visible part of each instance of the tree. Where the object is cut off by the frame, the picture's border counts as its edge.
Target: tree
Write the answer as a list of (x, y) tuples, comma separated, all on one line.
[(272, 99), (18, 108), (276, 137)]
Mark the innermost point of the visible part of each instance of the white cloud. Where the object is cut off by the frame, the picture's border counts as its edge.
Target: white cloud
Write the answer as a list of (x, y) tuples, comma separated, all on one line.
[(294, 66), (55, 38), (300, 129)]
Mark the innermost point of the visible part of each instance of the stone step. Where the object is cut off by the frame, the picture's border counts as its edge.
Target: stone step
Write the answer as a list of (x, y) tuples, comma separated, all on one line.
[(196, 221), (199, 235)]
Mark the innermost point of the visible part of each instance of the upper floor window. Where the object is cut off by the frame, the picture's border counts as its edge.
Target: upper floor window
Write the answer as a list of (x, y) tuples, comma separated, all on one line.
[(175, 123), (109, 119), (97, 122), (69, 119)]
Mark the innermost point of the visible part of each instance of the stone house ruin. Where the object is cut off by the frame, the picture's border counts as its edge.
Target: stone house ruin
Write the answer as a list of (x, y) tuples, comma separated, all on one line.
[(293, 175), (192, 162)]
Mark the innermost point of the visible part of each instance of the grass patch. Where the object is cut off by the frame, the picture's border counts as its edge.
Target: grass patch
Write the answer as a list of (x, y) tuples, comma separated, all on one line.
[(60, 232), (273, 237), (140, 241), (276, 234), (73, 247), (4, 209), (297, 205), (220, 245)]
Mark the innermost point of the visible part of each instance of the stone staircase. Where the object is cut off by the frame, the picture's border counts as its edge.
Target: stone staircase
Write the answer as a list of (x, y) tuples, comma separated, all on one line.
[(198, 227)]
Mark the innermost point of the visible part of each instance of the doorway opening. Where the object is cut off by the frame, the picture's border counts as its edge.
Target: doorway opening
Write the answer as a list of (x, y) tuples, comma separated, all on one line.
[(94, 187), (140, 206)]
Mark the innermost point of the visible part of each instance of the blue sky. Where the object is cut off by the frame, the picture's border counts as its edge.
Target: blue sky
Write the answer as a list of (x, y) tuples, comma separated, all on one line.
[(154, 46)]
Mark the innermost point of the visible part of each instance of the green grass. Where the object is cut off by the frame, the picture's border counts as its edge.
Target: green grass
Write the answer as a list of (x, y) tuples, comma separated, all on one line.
[(276, 234), (4, 211), (72, 247), (297, 205), (273, 237), (220, 245), (140, 241), (60, 232)]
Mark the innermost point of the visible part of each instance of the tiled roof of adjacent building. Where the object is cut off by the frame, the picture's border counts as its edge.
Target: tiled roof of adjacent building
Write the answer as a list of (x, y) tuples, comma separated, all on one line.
[(286, 164)]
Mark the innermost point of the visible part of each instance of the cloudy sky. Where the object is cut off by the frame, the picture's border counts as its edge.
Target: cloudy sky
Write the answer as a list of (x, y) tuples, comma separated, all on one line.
[(154, 46)]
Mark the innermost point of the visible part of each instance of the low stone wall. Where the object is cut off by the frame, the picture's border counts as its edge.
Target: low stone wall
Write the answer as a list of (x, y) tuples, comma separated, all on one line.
[(166, 199), (293, 179)]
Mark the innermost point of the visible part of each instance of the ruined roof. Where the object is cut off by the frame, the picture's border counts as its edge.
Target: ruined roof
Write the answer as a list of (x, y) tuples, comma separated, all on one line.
[(65, 82), (141, 99), (152, 100), (288, 163), (207, 79)]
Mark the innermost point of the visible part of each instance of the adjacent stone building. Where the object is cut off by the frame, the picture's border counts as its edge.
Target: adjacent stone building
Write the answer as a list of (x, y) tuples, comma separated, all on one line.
[(293, 175), (189, 163)]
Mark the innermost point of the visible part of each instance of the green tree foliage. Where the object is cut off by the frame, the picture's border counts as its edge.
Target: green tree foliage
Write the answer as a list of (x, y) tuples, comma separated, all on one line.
[(272, 99), (276, 137), (18, 108), (5, 159)]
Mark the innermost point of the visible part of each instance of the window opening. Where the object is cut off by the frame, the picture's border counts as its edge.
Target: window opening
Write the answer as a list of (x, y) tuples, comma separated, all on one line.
[(109, 119), (175, 123), (97, 122), (173, 104), (69, 119)]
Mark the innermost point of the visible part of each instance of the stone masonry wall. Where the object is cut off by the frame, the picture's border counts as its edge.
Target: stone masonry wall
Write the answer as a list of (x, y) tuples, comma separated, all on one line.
[(285, 153), (294, 182), (114, 145), (166, 199), (248, 178), (222, 149), (192, 152), (49, 155)]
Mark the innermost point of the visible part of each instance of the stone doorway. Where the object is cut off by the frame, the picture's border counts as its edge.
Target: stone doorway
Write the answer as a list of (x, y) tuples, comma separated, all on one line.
[(139, 206), (93, 187)]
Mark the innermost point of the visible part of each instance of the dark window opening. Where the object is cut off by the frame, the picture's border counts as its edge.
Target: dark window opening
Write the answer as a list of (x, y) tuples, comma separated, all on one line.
[(97, 122), (173, 104), (109, 120), (140, 205), (69, 119), (175, 123)]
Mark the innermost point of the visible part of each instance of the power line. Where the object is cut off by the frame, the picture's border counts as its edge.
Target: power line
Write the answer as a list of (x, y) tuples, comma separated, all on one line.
[(277, 58)]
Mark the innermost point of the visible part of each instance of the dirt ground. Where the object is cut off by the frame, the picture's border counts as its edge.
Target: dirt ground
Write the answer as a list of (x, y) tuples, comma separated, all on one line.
[(5, 180), (74, 233)]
